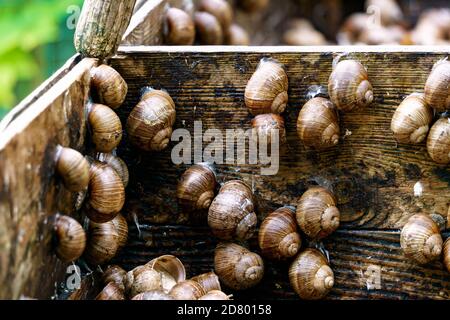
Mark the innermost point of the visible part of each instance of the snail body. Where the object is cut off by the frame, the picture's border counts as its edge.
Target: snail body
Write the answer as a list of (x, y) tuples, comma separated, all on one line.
[(437, 88), (122, 229), (117, 164), (237, 36), (111, 292), (73, 168), (221, 9), (446, 254), (208, 29), (231, 214), (264, 126), (266, 91), (106, 128), (420, 239), (237, 267), (149, 124), (108, 86), (349, 87), (180, 27), (114, 274), (318, 124), (310, 275), (103, 242), (278, 237), (209, 281), (317, 215), (411, 120), (438, 141), (187, 290), (70, 238)]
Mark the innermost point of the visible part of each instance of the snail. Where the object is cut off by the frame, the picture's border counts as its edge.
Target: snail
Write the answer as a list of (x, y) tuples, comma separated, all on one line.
[(264, 126), (209, 281), (231, 214), (420, 239), (278, 237), (103, 242), (149, 124), (237, 36), (221, 9), (187, 290), (196, 187), (142, 279), (114, 274), (106, 128), (208, 29), (437, 88), (302, 33), (111, 292), (317, 215), (438, 141), (70, 238), (252, 6), (180, 28), (117, 164), (353, 28), (237, 267), (310, 275), (108, 86), (446, 255), (318, 124), (152, 295), (215, 295), (266, 91), (349, 87), (73, 169), (106, 193), (411, 120), (171, 269), (389, 11), (122, 229)]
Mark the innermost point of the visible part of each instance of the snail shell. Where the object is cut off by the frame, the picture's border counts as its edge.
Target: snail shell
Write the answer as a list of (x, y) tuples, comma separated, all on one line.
[(411, 120), (389, 11), (111, 291), (171, 269), (310, 275), (208, 29), (187, 290), (215, 295), (231, 214), (114, 274), (266, 91), (103, 242), (122, 229), (152, 295), (180, 28), (117, 164), (209, 281), (108, 86), (318, 124), (420, 239), (106, 193), (438, 142), (278, 237), (237, 36), (349, 87), (237, 267), (446, 255), (70, 238), (317, 214), (264, 125), (437, 88), (221, 9), (142, 279), (252, 6), (106, 128), (196, 187), (149, 124), (73, 169)]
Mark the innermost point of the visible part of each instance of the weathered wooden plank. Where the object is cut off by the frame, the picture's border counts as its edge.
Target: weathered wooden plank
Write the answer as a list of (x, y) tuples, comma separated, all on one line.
[(29, 191), (372, 176), (358, 258)]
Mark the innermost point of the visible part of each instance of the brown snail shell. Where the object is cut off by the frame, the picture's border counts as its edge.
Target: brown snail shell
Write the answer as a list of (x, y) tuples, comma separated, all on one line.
[(106, 128), (237, 267), (353, 27), (278, 237), (122, 229), (438, 142), (187, 290), (152, 295), (266, 91), (196, 187), (142, 279), (421, 239), (237, 36), (264, 125), (103, 242), (209, 281), (171, 269), (208, 29), (215, 295), (149, 124), (252, 6), (180, 28), (106, 193), (111, 292), (446, 254), (310, 275), (221, 9), (349, 87), (117, 164), (318, 124), (317, 215), (437, 88), (108, 86), (70, 238), (231, 214), (114, 274), (412, 119), (73, 169)]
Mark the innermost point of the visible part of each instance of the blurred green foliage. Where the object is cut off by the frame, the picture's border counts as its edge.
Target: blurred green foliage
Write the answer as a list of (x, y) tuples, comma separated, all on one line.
[(26, 27)]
